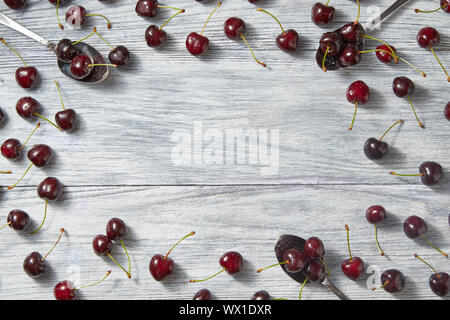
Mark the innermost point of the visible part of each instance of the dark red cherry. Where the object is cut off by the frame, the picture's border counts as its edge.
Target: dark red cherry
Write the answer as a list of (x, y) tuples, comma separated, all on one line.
[(375, 214), (403, 87), (384, 56), (234, 27), (447, 111), (359, 92), (26, 107), (353, 268), (314, 248), (155, 37), (50, 189), (11, 149), (197, 44), (119, 56), (331, 63), (160, 267), (261, 295), (80, 67), (34, 265), (101, 245), (232, 262), (66, 119), (432, 173), (26, 77), (445, 4), (331, 41), (393, 281), (18, 220), (147, 8), (427, 37), (40, 155), (350, 55), (288, 41), (76, 16), (203, 294), (64, 290), (115, 229), (414, 226), (352, 32), (440, 283), (251, 1), (375, 149), (285, 243), (66, 51), (296, 260), (15, 4), (322, 14), (315, 271)]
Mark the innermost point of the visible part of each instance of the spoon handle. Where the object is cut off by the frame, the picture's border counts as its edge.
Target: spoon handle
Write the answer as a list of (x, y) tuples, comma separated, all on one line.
[(14, 25), (394, 7), (327, 283)]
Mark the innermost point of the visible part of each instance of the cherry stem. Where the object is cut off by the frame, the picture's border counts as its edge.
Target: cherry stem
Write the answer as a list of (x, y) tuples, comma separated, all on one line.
[(60, 95), (43, 220), (429, 265), (387, 45), (100, 15), (32, 132), (217, 273), (173, 16), (392, 173), (87, 37), (376, 241), (274, 265), (270, 14), (42, 117), (323, 60), (251, 51), (301, 288), (390, 128), (6, 225), (359, 13), (98, 34), (119, 265), (348, 242), (380, 287), (13, 50), (210, 15), (325, 265), (102, 64), (404, 60), (188, 235), (6, 172), (95, 283), (440, 63), (431, 11), (128, 256), (14, 185), (354, 116), (415, 114), (61, 231), (327, 2), (57, 15), (434, 247)]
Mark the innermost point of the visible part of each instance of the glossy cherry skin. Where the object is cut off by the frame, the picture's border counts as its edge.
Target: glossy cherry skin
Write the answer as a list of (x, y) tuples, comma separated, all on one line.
[(352, 33), (331, 63), (26, 107), (447, 7), (375, 149), (427, 37), (333, 42), (288, 41), (432, 173), (40, 155), (384, 56), (261, 295), (197, 44), (375, 214), (447, 111), (34, 266), (353, 269), (160, 267), (66, 51), (147, 8), (101, 245), (115, 229), (80, 66), (76, 16), (297, 260), (203, 294), (26, 77), (359, 92), (64, 290), (414, 226), (119, 56), (232, 262), (439, 283), (315, 271), (18, 220), (314, 248), (15, 4), (403, 87), (50, 189), (155, 37), (350, 56), (394, 280), (66, 119), (322, 14), (11, 149), (234, 27)]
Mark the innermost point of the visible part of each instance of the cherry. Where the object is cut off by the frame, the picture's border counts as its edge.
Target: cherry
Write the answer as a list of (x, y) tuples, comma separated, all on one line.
[(35, 264), (119, 56), (115, 229), (426, 38), (445, 6), (315, 271), (81, 66), (65, 290), (404, 87), (374, 215), (50, 189), (251, 1), (76, 17), (18, 220), (385, 56), (447, 111), (439, 282), (147, 8), (352, 32), (295, 260), (358, 93), (288, 39), (261, 295), (203, 294), (314, 248), (14, 4), (2, 116), (66, 50), (322, 14), (392, 281), (11, 149), (197, 44), (231, 262), (376, 149), (102, 246), (27, 107), (431, 173), (40, 155), (162, 266), (331, 43), (156, 36), (66, 118), (327, 62), (353, 268), (350, 56)]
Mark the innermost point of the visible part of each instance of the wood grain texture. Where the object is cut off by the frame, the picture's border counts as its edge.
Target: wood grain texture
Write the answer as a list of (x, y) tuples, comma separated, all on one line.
[(119, 161)]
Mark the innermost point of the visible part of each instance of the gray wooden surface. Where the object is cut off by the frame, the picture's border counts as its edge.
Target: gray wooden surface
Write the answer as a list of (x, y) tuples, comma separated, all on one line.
[(119, 163)]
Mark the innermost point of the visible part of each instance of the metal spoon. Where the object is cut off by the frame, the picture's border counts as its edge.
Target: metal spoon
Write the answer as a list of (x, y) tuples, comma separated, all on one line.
[(383, 16), (98, 73)]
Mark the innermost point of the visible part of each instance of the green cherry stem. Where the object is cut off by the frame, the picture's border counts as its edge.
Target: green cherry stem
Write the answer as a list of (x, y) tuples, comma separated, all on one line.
[(128, 256), (14, 185), (44, 118), (273, 265), (430, 11), (301, 288), (13, 50), (32, 132), (119, 265), (429, 265), (6, 172), (173, 16), (376, 241), (440, 63), (390, 128), (57, 15), (210, 15), (348, 242), (354, 116), (323, 60), (43, 220), (270, 14), (173, 247), (95, 283), (202, 280), (100, 15), (415, 114), (387, 45), (61, 231), (60, 95), (359, 13), (5, 225), (253, 54), (434, 247)]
